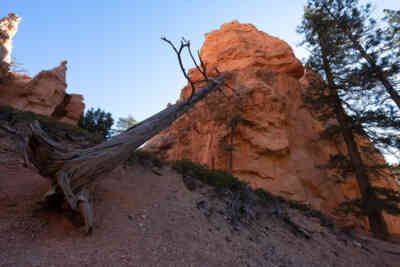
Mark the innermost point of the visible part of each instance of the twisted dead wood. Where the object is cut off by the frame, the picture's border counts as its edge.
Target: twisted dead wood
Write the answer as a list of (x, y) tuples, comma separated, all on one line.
[(72, 171)]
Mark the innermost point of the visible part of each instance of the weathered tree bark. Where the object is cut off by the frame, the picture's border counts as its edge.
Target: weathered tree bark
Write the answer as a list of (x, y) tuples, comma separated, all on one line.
[(72, 171)]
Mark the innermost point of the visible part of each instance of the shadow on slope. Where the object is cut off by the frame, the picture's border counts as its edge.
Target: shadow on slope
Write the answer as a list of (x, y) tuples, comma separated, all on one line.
[(148, 214)]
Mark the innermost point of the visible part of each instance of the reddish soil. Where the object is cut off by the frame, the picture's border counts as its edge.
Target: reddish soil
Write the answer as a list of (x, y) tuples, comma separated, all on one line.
[(143, 219)]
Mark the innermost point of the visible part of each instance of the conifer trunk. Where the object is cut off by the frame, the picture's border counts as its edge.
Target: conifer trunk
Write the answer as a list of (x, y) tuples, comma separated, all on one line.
[(369, 200)]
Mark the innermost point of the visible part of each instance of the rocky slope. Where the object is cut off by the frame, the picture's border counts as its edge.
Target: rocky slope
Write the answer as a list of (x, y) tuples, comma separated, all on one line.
[(147, 218), (276, 143), (45, 93)]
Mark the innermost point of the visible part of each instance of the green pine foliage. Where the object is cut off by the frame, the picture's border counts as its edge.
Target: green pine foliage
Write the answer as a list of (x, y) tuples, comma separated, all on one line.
[(388, 200), (359, 100), (370, 113), (351, 30), (97, 121), (371, 78), (393, 20)]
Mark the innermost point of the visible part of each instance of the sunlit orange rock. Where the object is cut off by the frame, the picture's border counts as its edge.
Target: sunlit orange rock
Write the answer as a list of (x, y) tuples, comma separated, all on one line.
[(43, 94), (277, 144)]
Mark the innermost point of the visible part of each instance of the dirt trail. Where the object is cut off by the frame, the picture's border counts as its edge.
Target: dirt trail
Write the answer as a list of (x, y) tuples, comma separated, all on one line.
[(143, 219)]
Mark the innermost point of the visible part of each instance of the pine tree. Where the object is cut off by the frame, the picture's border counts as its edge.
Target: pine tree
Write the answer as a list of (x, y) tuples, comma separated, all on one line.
[(355, 22), (331, 56), (370, 73), (232, 124), (97, 121)]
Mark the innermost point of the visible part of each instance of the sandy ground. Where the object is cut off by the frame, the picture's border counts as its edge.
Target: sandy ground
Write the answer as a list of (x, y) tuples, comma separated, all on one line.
[(143, 219)]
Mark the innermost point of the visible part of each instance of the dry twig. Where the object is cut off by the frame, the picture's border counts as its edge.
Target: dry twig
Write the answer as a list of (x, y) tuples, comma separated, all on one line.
[(202, 68)]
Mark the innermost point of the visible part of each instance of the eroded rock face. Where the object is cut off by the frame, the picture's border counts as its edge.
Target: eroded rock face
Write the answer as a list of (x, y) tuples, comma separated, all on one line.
[(45, 93), (276, 144), (8, 28)]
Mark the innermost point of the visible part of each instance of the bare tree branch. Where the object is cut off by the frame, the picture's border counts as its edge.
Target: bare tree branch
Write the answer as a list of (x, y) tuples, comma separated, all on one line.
[(184, 43), (201, 70), (203, 65)]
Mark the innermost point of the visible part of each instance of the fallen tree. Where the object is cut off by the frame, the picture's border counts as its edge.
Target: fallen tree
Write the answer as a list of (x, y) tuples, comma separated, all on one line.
[(72, 172)]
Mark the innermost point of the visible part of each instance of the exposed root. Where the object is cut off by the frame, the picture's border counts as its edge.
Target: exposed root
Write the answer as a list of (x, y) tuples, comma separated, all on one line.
[(85, 209)]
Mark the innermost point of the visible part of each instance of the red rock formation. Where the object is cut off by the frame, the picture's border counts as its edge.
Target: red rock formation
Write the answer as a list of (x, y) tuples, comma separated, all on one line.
[(45, 93), (277, 144)]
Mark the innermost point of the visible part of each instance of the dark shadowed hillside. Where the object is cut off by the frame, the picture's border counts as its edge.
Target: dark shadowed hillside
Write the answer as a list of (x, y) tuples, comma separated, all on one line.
[(148, 215)]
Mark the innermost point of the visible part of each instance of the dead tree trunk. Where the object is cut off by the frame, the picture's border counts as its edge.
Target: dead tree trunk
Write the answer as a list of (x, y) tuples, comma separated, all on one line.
[(73, 171)]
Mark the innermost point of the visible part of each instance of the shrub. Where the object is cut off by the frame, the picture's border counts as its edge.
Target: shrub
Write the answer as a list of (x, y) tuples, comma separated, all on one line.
[(216, 178), (222, 179), (14, 115)]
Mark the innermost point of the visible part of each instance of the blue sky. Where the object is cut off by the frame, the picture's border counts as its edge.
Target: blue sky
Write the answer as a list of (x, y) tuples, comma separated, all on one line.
[(115, 56)]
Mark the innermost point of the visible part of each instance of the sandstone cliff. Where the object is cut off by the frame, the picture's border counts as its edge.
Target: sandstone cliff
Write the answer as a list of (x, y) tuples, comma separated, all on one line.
[(45, 93), (276, 143)]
